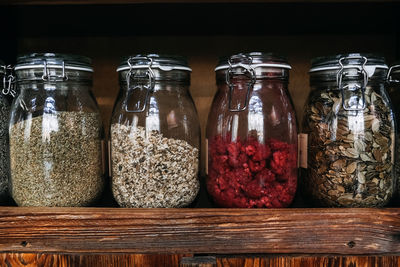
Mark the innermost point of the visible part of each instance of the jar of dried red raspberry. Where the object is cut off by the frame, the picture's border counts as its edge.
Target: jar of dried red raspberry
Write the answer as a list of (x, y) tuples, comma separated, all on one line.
[(252, 134)]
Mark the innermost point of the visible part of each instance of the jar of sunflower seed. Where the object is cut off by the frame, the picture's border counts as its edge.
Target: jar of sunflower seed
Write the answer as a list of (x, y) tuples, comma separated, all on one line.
[(154, 134), (347, 144)]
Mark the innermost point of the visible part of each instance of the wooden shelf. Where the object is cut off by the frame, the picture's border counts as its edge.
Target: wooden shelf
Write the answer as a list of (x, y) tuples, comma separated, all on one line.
[(202, 30), (205, 231)]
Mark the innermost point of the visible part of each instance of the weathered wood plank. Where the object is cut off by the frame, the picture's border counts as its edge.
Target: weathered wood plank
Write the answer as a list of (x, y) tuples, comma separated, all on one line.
[(310, 261), (125, 260), (217, 231), (68, 260)]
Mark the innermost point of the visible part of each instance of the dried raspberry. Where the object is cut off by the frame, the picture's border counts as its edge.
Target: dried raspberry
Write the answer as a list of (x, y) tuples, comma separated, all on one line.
[(256, 166), (223, 184), (234, 149), (254, 190), (285, 198), (239, 176), (265, 177), (263, 152), (243, 159), (242, 176), (287, 174), (259, 204), (232, 180), (278, 145), (238, 161), (228, 197), (217, 146), (240, 202), (250, 150), (276, 204), (278, 188), (234, 162), (278, 163), (220, 164)]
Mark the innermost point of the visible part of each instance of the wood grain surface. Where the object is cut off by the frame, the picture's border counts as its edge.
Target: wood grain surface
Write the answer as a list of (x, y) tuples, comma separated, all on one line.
[(68, 260), (216, 231), (128, 260), (310, 261)]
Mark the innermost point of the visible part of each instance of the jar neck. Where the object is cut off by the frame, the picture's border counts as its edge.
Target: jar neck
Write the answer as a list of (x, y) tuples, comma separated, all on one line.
[(258, 85), (331, 77), (157, 76), (56, 76), (260, 74), (32, 86), (170, 86)]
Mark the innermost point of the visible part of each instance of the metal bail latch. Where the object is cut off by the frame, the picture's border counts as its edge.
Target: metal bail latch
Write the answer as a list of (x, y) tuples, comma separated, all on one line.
[(342, 73), (54, 78), (132, 74), (244, 62), (9, 81), (389, 75)]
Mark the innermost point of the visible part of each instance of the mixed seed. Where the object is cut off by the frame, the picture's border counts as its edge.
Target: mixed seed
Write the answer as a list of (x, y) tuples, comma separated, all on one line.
[(350, 153), (56, 159), (4, 147), (152, 171)]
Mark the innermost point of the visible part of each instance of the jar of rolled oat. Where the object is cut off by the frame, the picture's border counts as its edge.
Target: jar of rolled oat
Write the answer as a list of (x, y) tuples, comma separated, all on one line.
[(56, 134), (155, 134), (6, 94), (252, 134), (348, 133)]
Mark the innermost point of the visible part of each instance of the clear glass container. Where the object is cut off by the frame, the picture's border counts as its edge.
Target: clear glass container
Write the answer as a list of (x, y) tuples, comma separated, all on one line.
[(393, 90), (252, 134), (155, 134), (56, 133), (349, 128), (6, 94)]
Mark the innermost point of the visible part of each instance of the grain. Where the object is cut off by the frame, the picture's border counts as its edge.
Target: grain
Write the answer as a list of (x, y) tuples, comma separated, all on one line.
[(56, 159), (150, 170), (4, 147)]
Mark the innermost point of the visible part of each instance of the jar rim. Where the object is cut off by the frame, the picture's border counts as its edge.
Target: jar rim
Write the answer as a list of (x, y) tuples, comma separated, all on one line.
[(54, 61), (349, 60), (2, 66), (163, 62), (395, 67), (257, 59)]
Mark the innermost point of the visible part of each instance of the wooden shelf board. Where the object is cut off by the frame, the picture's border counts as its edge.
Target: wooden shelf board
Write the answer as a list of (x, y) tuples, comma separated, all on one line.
[(209, 231)]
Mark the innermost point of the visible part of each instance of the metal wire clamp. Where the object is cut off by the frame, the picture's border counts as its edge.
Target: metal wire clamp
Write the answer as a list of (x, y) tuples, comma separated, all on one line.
[(132, 74), (244, 62), (354, 87)]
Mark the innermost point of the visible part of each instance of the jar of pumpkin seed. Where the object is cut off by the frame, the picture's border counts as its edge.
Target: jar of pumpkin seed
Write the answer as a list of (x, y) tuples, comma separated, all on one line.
[(394, 94), (348, 139)]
